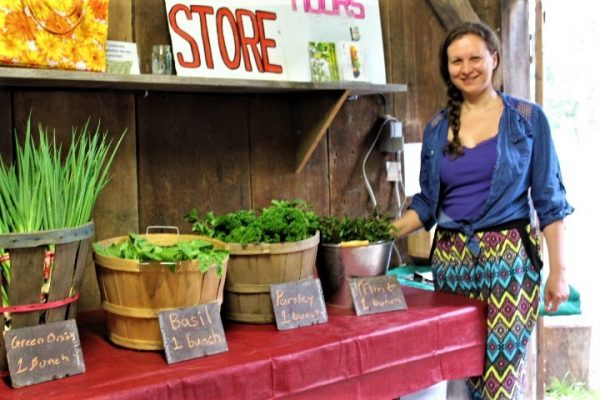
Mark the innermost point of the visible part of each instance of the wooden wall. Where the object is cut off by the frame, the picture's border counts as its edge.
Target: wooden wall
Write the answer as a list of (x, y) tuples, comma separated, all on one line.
[(224, 152)]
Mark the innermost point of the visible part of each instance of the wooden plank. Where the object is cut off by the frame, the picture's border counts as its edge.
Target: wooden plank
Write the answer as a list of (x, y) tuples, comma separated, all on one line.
[(453, 12), (311, 116), (516, 62), (120, 25), (56, 236), (193, 153), (26, 283), (150, 28), (3, 364), (85, 279), (272, 155), (350, 136), (6, 134), (62, 278)]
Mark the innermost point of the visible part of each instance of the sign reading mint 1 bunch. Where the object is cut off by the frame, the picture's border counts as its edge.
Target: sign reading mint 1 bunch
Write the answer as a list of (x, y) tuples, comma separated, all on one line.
[(269, 39)]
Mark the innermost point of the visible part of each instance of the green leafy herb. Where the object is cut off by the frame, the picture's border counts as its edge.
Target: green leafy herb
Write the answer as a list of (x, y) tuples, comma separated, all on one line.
[(282, 221), (137, 247), (374, 229)]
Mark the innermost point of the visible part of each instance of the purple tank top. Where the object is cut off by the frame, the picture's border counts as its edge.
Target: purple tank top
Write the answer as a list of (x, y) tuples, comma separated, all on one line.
[(466, 180)]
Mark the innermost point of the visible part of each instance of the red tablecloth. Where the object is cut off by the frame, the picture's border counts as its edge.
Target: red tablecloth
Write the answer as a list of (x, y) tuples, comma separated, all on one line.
[(378, 356)]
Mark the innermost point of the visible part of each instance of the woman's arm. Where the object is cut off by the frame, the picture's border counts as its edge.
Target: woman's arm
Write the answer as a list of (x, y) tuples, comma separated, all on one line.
[(557, 289), (407, 223)]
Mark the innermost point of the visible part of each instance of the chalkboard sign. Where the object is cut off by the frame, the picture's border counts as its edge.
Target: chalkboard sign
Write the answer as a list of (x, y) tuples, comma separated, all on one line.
[(297, 304), (43, 353), (376, 294), (192, 332)]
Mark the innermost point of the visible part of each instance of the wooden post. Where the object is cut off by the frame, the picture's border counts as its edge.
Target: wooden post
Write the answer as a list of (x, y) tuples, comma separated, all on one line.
[(539, 98), (515, 38)]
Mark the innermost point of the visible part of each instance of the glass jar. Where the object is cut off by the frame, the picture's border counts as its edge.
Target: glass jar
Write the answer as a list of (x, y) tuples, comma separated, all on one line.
[(162, 60)]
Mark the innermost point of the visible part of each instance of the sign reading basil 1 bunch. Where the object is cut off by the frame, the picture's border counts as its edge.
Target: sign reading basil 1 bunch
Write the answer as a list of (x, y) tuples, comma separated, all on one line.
[(192, 332), (270, 39)]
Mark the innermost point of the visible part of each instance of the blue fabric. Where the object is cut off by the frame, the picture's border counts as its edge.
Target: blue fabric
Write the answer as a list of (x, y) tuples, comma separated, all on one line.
[(526, 160), (409, 275)]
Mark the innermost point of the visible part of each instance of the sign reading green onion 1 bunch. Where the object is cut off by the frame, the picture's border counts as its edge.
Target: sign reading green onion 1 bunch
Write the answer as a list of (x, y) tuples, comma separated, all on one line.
[(43, 353), (270, 39)]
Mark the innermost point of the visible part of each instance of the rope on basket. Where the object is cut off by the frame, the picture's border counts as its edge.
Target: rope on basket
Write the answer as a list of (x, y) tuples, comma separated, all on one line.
[(40, 306)]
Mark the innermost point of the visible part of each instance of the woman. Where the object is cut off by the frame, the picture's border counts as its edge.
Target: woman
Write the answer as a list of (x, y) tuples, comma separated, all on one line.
[(486, 158)]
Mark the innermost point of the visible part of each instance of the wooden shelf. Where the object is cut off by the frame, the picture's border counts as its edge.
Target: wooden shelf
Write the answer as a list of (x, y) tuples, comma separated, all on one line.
[(24, 77), (314, 109)]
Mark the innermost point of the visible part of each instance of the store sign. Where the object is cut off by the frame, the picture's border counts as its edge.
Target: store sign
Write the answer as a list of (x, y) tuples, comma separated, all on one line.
[(299, 303), (269, 39), (43, 353), (376, 294), (192, 332)]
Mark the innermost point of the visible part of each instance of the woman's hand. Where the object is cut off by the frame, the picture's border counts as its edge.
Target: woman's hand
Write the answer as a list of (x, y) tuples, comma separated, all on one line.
[(407, 224), (556, 291)]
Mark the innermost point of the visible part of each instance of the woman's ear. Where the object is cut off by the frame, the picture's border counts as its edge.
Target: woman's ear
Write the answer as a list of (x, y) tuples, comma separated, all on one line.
[(495, 58)]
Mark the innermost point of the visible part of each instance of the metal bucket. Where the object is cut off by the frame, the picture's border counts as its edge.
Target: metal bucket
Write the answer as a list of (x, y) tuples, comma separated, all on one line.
[(337, 264)]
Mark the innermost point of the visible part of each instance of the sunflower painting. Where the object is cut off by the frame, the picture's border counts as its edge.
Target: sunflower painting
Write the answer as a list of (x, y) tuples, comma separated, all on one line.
[(62, 34)]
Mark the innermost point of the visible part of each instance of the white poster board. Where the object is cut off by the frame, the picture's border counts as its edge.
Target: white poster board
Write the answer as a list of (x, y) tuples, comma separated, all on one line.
[(268, 39)]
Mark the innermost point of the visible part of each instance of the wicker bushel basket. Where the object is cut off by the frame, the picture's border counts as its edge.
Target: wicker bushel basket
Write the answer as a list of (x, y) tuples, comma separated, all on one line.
[(133, 293), (252, 270), (58, 259)]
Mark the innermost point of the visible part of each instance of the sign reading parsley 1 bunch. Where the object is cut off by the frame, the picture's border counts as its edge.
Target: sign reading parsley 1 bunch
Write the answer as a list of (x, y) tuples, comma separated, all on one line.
[(269, 39)]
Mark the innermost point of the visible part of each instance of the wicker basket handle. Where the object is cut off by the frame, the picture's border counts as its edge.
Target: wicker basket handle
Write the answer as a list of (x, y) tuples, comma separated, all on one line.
[(79, 8), (149, 228)]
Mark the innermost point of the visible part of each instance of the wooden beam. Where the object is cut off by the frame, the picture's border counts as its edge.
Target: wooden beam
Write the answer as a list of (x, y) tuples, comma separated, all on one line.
[(540, 356), (516, 61), (453, 12), (311, 117), (539, 52)]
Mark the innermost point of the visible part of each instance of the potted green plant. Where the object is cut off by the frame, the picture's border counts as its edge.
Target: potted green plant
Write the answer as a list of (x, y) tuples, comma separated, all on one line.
[(46, 203), (351, 247), (276, 244)]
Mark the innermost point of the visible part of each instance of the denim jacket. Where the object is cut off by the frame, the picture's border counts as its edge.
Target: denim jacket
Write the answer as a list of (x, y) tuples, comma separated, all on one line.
[(526, 169)]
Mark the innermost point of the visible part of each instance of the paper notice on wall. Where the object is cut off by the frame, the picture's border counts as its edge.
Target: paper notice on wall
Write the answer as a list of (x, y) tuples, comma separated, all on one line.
[(412, 167), (122, 58)]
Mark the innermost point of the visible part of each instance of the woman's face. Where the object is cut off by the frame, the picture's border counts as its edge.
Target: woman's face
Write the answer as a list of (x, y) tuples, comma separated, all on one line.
[(471, 65)]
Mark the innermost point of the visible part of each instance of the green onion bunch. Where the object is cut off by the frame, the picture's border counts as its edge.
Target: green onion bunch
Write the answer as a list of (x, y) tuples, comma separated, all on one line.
[(45, 190)]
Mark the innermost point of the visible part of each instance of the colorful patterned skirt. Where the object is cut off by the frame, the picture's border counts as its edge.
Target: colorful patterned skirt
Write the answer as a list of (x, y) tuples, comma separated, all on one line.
[(506, 275)]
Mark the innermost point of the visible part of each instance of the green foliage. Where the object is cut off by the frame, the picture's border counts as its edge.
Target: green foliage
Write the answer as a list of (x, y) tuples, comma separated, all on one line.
[(137, 247), (374, 229), (282, 221), (43, 192), (565, 389)]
